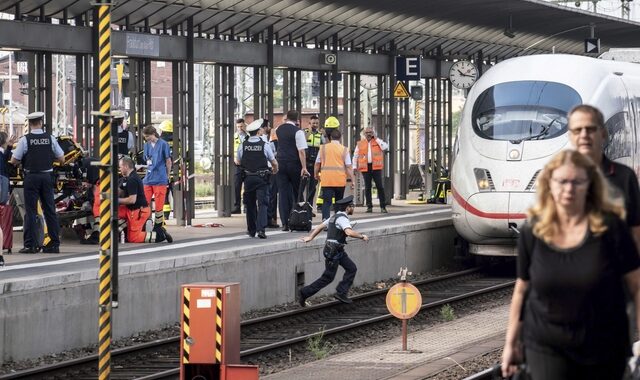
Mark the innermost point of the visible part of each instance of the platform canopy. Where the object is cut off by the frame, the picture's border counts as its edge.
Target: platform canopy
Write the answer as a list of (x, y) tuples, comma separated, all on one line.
[(498, 28)]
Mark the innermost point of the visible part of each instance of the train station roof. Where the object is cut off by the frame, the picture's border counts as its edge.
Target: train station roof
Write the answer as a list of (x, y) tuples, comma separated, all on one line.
[(498, 28)]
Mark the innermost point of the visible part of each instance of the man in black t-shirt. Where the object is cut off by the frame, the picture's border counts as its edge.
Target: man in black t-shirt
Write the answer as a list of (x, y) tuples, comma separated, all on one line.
[(133, 209), (588, 135)]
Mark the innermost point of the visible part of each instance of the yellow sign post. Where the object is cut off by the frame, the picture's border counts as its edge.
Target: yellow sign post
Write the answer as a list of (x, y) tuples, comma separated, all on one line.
[(403, 302)]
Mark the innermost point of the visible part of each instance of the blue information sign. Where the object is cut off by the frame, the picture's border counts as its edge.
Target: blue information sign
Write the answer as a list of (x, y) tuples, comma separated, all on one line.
[(408, 68)]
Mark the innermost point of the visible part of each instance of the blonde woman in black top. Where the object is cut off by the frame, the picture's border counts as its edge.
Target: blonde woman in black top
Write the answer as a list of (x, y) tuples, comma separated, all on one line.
[(574, 257)]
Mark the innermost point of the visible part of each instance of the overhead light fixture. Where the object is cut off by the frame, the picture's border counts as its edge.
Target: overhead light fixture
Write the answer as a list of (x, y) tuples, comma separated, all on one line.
[(9, 48), (207, 62), (119, 56), (508, 31)]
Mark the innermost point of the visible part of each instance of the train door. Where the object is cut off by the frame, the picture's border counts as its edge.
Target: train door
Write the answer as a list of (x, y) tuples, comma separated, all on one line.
[(632, 86), (619, 121)]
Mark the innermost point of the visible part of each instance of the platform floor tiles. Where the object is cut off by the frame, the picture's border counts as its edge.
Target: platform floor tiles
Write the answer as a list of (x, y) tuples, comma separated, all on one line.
[(431, 350)]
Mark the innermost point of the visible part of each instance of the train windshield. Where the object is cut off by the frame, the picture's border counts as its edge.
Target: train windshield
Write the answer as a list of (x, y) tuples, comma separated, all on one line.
[(524, 110)]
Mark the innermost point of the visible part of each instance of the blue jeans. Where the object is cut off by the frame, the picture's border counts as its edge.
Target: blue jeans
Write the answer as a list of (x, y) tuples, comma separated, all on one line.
[(328, 193)]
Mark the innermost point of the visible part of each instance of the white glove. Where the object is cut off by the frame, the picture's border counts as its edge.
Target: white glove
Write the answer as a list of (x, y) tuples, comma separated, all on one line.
[(635, 359)]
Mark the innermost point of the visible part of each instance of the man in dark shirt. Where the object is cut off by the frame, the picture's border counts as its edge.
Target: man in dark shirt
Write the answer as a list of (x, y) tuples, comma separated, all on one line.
[(588, 135), (133, 209)]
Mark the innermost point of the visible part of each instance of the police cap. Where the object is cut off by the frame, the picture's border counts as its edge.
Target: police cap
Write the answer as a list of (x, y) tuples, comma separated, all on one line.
[(345, 201), (255, 125), (35, 115)]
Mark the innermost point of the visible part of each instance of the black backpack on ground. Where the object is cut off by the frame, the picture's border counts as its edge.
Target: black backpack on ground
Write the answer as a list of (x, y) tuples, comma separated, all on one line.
[(300, 217)]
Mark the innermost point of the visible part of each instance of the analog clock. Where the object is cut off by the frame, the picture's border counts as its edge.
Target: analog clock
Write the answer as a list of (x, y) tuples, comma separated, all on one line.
[(369, 82), (463, 74)]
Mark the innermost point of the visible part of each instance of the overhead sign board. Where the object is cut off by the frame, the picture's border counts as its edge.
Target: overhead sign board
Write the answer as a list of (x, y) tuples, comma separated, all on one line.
[(404, 300), (591, 45), (400, 91), (408, 68), (142, 44)]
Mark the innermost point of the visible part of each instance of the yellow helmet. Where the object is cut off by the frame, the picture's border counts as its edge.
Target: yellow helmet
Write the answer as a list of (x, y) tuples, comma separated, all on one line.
[(332, 122), (166, 126)]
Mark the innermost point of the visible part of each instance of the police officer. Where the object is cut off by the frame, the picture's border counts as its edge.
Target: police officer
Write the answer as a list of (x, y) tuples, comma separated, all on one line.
[(36, 151), (314, 140), (238, 138), (253, 157), (126, 140), (338, 228)]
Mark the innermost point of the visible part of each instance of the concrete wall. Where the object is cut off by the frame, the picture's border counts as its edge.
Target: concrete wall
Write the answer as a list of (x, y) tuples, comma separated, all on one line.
[(53, 314)]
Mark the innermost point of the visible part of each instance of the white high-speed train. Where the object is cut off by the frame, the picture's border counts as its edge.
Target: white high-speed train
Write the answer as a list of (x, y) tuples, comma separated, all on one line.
[(514, 121)]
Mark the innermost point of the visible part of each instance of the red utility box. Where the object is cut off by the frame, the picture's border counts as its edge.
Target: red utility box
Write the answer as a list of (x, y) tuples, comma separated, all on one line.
[(210, 333)]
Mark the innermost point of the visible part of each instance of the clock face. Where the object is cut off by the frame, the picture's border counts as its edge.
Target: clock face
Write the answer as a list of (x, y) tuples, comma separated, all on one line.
[(369, 82), (463, 74)]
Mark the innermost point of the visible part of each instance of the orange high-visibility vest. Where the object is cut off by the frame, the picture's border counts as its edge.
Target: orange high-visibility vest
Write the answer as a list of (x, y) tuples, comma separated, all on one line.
[(332, 165), (377, 157)]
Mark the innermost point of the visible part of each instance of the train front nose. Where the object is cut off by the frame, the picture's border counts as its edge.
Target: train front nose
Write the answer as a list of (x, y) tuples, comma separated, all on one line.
[(491, 214)]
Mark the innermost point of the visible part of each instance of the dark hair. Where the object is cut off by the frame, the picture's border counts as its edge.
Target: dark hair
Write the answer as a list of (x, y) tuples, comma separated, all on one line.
[(127, 161), (240, 120), (3, 137), (335, 134), (292, 115), (314, 117), (150, 130), (591, 110), (265, 123)]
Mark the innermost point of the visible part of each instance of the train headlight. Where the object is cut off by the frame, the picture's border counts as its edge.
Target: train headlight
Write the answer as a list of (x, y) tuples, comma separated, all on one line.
[(483, 180), (514, 154)]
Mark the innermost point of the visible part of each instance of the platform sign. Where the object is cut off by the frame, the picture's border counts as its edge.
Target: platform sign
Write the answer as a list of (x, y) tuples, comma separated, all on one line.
[(400, 91), (404, 300), (591, 45), (408, 68)]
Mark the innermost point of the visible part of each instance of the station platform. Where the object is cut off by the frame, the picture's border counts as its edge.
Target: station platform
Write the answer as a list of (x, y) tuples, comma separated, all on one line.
[(55, 295), (430, 351)]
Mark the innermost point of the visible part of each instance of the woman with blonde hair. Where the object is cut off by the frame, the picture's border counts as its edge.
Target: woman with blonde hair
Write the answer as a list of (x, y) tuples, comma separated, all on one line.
[(574, 254)]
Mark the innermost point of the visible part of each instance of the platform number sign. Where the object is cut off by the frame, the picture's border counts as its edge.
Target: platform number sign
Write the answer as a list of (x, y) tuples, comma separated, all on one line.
[(408, 68), (592, 45)]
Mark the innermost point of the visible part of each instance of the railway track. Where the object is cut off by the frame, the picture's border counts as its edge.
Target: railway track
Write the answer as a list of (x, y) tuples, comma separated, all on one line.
[(277, 334)]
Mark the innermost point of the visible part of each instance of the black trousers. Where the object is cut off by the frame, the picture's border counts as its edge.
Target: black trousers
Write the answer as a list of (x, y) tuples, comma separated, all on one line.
[(330, 270), (288, 184), (328, 193), (256, 199), (237, 188), (376, 175), (272, 212), (311, 190), (39, 186), (547, 366)]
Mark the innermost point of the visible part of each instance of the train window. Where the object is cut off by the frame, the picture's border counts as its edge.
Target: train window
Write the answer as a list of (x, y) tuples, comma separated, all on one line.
[(523, 110), (620, 142)]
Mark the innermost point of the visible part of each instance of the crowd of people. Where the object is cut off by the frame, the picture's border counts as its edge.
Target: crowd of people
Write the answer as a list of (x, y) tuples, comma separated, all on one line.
[(310, 161)]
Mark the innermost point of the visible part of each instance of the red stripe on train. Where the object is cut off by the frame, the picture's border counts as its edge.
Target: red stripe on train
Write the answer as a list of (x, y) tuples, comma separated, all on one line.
[(488, 215)]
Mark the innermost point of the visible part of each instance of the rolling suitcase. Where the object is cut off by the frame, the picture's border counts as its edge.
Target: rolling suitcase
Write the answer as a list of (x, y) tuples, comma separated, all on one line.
[(300, 217), (6, 223)]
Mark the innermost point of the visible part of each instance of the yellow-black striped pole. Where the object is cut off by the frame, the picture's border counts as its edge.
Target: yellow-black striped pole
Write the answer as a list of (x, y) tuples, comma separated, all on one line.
[(104, 100)]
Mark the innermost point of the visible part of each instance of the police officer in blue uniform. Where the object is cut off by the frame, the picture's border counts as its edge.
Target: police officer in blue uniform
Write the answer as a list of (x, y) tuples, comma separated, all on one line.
[(254, 156), (126, 140), (36, 151), (338, 228)]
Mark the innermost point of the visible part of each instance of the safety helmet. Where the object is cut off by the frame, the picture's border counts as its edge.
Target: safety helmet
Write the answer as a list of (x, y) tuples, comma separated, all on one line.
[(332, 122), (166, 126)]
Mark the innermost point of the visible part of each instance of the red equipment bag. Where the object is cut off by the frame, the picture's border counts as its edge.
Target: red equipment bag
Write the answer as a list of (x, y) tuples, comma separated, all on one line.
[(6, 223)]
